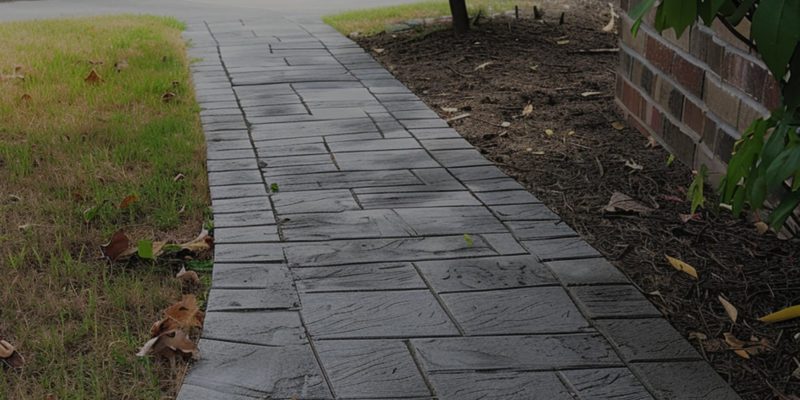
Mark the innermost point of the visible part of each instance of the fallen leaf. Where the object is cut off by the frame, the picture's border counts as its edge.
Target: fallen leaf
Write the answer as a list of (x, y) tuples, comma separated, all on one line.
[(170, 344), (761, 227), (527, 110), (685, 218), (697, 336), (782, 315), (468, 240), (199, 244), (484, 65), (745, 349), (505, 124), (621, 202), (188, 278), (120, 65), (168, 96), (549, 132), (26, 97), (612, 24), (618, 125), (127, 201), (590, 94), (733, 313), (534, 67), (93, 77), (117, 246), (178, 177), (377, 50), (10, 356), (651, 142), (682, 266), (670, 159), (457, 117), (562, 42), (450, 109), (145, 250), (633, 165)]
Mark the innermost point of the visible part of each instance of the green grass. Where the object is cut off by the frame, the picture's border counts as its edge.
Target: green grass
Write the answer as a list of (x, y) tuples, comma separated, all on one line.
[(70, 152), (374, 20)]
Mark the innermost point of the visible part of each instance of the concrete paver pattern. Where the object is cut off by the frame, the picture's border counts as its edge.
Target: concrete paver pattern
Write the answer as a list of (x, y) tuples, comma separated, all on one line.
[(366, 251)]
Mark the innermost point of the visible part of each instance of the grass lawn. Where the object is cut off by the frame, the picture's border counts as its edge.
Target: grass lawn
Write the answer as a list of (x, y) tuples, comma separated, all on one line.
[(374, 20), (70, 152)]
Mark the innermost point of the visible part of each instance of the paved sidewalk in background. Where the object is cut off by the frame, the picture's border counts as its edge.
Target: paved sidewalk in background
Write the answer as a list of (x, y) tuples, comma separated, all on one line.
[(394, 261)]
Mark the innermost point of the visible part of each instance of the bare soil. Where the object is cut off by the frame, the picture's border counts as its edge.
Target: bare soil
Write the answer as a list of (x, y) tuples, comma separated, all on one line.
[(570, 153)]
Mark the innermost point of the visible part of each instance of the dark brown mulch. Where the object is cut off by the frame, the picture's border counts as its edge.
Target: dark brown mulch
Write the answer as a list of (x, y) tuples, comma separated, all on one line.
[(576, 173)]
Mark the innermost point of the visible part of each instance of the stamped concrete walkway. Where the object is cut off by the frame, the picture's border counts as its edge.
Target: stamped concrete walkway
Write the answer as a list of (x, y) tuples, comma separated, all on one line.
[(366, 251)]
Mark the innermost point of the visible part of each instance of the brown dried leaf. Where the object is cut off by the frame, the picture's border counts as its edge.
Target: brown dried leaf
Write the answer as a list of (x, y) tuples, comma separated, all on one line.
[(621, 202), (685, 218), (527, 110), (117, 246), (733, 313), (127, 201), (746, 349), (483, 65), (201, 243), (170, 344), (93, 77), (25, 97), (168, 96), (618, 125), (185, 314), (761, 227), (188, 279), (10, 356)]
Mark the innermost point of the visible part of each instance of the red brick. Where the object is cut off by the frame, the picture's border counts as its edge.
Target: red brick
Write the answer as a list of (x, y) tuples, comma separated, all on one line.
[(747, 114), (699, 43), (658, 54), (693, 117), (771, 94), (721, 101), (656, 120), (639, 127), (682, 145), (714, 56), (709, 134), (688, 75), (725, 143), (631, 98), (744, 74)]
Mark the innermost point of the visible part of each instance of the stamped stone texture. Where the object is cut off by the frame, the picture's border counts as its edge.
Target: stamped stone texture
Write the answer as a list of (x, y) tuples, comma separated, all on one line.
[(238, 369), (588, 271), (500, 385), (613, 301), (524, 310), (251, 276), (537, 352), (358, 277), (689, 380), (560, 248), (485, 273), (267, 328), (314, 201), (664, 342), (421, 199), (605, 383), (375, 314), (375, 368)]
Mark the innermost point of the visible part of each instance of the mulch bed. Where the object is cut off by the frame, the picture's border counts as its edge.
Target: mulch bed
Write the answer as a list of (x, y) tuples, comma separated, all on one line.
[(576, 166)]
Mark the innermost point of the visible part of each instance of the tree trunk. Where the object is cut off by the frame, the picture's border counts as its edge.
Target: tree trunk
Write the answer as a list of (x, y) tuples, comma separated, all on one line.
[(458, 8)]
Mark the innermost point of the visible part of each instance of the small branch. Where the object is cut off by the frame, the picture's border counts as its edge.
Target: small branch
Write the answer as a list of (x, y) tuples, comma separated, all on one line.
[(732, 29), (596, 51)]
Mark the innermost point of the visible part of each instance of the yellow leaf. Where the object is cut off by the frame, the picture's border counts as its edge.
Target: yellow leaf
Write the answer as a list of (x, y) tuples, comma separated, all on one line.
[(682, 266), (742, 353), (527, 110), (617, 125), (549, 132), (733, 313), (782, 315)]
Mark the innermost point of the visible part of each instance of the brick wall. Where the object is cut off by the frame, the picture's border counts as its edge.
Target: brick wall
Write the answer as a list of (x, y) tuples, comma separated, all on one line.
[(695, 94)]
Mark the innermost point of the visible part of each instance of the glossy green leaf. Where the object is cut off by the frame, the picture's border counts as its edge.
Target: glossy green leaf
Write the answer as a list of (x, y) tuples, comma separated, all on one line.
[(784, 210), (679, 14), (638, 12), (707, 9), (785, 165), (741, 10), (776, 31)]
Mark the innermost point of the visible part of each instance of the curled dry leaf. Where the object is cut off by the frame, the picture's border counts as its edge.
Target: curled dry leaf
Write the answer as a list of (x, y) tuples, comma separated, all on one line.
[(732, 312), (761, 227), (117, 246), (685, 218), (782, 315), (25, 97), (618, 125), (9, 356), (168, 96), (184, 314), (682, 266), (590, 94), (562, 42), (633, 165), (189, 279), (611, 26), (178, 177), (621, 202), (170, 345), (201, 243), (450, 109), (93, 77), (745, 349)]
